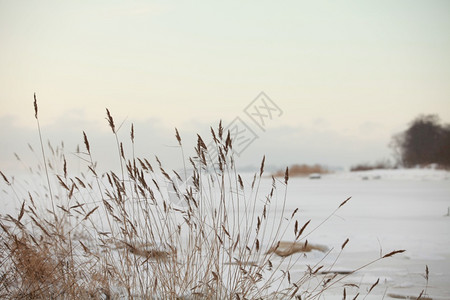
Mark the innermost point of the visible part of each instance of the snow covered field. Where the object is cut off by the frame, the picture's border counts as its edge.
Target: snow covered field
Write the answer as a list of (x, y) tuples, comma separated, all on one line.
[(389, 210)]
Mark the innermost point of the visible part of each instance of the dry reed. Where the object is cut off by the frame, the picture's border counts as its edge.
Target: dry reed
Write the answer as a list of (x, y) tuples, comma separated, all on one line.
[(113, 236)]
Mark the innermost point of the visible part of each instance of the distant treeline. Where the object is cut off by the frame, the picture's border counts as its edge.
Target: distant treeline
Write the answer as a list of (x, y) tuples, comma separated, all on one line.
[(381, 164), (425, 142)]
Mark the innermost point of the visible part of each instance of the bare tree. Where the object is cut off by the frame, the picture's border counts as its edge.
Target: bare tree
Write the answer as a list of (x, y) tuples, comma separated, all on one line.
[(426, 141)]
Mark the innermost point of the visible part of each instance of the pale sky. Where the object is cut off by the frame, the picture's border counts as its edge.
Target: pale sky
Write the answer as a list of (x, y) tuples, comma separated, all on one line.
[(347, 75)]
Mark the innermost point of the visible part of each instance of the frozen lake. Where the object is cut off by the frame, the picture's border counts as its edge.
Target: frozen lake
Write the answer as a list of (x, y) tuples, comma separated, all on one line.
[(389, 210)]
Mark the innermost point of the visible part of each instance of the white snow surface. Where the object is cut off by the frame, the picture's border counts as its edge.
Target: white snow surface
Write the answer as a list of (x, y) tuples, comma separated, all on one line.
[(404, 209)]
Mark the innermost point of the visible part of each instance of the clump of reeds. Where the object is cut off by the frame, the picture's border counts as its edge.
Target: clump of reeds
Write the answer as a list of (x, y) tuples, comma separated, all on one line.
[(117, 235), (303, 170)]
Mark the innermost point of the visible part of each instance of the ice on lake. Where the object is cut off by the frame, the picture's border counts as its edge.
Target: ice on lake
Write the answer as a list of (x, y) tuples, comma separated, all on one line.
[(389, 210)]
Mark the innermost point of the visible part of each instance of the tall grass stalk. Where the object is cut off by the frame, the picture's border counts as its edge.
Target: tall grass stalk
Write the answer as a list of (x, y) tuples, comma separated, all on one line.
[(44, 161)]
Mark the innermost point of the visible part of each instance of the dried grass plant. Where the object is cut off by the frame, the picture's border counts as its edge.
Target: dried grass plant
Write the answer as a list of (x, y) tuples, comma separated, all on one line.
[(111, 236)]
